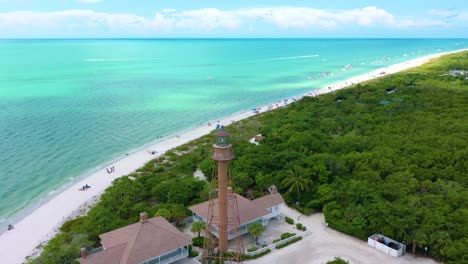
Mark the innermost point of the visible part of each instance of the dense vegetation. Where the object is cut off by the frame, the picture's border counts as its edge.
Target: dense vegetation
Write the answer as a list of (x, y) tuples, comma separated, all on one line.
[(388, 156)]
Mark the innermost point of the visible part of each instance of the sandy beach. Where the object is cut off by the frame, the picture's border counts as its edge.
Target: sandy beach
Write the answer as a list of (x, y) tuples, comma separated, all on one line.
[(42, 224)]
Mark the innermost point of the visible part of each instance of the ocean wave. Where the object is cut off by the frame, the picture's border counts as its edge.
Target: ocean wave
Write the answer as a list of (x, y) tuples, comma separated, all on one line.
[(117, 59), (285, 58), (125, 59)]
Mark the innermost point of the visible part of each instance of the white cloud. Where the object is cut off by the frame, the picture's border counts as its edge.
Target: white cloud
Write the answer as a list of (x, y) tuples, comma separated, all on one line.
[(300, 17), (207, 19), (68, 20), (88, 22), (461, 15), (304, 18), (169, 10)]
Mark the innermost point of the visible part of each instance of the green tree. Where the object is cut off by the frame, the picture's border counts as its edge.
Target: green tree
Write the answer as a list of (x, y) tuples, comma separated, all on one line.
[(256, 230), (197, 227), (263, 181), (419, 238), (296, 181), (242, 180), (164, 213), (179, 212), (207, 167)]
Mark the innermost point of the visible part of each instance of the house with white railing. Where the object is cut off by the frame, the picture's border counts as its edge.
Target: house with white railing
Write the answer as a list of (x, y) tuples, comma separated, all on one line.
[(260, 210), (150, 241)]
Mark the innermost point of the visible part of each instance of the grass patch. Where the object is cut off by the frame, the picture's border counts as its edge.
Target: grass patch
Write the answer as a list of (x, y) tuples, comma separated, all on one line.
[(258, 255), (289, 243), (252, 249)]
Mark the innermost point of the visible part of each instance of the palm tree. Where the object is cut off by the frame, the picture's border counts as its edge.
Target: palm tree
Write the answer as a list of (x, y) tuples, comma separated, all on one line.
[(197, 227), (296, 181), (256, 230)]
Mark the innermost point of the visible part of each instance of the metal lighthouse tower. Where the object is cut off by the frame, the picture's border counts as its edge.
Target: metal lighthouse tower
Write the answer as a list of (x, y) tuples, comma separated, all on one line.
[(223, 213)]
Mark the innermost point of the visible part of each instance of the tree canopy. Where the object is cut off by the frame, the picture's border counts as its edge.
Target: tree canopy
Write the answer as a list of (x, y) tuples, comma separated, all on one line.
[(388, 156)]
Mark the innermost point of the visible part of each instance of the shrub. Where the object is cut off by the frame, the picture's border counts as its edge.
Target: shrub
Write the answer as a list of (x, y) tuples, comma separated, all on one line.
[(299, 226), (252, 249), (308, 211), (193, 254), (338, 261), (264, 245), (286, 235), (288, 243), (158, 169), (258, 255), (304, 228), (276, 240), (289, 220), (198, 241)]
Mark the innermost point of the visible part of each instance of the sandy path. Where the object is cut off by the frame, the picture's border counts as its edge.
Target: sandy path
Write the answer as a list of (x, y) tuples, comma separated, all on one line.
[(41, 225)]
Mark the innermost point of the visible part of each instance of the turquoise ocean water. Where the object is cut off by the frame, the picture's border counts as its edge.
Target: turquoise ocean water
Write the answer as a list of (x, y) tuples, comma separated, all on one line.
[(69, 106)]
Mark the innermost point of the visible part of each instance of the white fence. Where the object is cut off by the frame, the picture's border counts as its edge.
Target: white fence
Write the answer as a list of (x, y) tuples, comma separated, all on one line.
[(274, 245), (183, 222), (372, 241), (96, 250)]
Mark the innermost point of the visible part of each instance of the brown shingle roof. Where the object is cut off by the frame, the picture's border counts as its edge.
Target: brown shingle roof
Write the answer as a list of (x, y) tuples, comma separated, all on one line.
[(138, 242), (269, 200), (258, 137), (248, 210), (108, 256)]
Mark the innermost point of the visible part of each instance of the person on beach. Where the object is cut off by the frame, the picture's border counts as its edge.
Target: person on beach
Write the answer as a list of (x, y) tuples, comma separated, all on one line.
[(10, 227), (83, 188), (87, 186), (109, 170)]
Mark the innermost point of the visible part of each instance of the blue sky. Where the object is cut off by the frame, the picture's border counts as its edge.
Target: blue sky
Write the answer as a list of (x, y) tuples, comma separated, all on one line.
[(238, 18)]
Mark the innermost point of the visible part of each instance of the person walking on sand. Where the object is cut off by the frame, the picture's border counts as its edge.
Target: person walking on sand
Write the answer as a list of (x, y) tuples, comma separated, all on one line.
[(10, 227)]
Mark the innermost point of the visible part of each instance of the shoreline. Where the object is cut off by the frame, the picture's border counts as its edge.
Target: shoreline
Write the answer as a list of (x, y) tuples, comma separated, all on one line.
[(43, 222)]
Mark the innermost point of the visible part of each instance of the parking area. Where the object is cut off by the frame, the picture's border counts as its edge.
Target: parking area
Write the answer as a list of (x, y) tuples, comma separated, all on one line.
[(321, 245), (324, 244)]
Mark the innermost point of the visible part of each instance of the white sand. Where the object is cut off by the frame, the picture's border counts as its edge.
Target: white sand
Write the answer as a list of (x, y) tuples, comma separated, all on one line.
[(41, 224)]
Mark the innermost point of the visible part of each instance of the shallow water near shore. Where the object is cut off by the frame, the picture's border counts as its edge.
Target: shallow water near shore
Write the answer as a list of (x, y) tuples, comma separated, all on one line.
[(68, 106)]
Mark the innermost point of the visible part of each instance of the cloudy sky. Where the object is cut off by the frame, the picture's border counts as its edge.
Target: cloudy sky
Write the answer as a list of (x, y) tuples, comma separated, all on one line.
[(233, 18)]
